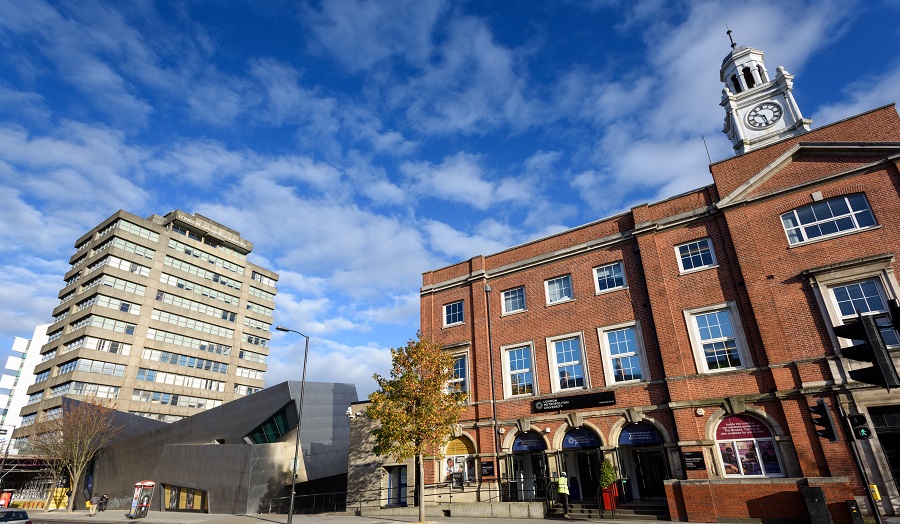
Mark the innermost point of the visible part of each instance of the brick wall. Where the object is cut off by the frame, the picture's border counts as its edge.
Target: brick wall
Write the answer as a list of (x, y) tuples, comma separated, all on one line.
[(786, 334)]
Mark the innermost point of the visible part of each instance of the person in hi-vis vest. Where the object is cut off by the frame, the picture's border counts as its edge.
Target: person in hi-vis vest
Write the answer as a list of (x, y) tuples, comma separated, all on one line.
[(563, 487)]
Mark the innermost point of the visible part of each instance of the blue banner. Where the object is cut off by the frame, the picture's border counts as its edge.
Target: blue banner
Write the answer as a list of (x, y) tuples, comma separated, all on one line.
[(530, 441), (581, 438), (639, 434)]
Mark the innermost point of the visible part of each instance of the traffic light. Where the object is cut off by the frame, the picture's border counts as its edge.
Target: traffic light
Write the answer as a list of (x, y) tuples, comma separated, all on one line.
[(870, 347), (823, 420), (859, 426)]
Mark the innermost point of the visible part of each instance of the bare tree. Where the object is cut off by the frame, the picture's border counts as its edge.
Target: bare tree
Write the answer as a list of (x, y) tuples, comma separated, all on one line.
[(70, 441), (415, 407)]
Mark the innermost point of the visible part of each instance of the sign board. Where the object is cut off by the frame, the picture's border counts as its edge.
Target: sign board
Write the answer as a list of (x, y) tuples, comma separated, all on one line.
[(693, 460), (530, 441), (588, 400), (639, 434), (581, 438), (741, 427), (487, 468)]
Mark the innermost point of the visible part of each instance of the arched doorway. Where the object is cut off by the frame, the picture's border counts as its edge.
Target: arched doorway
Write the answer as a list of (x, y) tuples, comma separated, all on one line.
[(459, 462), (581, 459), (528, 467), (642, 459)]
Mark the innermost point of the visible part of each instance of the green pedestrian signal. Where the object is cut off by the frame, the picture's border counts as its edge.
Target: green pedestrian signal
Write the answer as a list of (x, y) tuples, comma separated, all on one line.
[(859, 426)]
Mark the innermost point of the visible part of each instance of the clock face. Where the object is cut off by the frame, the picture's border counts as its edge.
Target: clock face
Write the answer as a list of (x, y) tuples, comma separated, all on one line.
[(764, 115)]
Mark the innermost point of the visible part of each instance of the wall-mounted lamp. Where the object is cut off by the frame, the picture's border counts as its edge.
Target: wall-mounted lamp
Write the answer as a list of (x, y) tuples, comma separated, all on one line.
[(501, 430), (546, 430), (700, 412)]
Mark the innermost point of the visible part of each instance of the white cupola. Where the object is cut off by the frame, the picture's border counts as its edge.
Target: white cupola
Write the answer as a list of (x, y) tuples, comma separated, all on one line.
[(759, 110)]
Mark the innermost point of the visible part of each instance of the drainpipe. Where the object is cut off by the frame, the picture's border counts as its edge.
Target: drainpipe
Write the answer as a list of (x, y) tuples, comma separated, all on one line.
[(487, 299)]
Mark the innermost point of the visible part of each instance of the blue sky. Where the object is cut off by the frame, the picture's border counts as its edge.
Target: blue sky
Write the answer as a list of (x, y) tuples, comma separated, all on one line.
[(361, 143)]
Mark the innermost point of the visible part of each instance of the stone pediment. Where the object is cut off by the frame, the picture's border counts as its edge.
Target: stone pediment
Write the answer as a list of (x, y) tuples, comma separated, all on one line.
[(810, 162)]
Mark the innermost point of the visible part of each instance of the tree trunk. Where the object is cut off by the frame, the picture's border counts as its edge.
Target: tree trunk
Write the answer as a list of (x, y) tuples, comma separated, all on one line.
[(74, 483), (420, 486), (50, 495)]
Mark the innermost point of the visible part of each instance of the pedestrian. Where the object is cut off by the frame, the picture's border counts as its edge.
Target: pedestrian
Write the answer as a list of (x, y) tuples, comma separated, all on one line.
[(103, 501), (95, 501), (563, 488)]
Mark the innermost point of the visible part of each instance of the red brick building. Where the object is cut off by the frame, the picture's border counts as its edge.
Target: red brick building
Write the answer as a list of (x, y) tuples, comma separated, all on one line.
[(685, 339)]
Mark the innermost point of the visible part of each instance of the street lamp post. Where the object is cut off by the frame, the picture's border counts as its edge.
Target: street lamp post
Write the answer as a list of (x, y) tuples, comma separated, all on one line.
[(299, 421)]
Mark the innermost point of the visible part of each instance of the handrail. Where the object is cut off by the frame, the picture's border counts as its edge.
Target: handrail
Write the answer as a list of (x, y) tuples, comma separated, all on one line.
[(539, 489)]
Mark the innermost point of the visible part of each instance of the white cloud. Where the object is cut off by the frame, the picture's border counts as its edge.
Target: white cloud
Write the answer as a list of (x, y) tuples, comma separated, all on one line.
[(471, 86), (362, 34), (461, 178), (457, 245), (28, 296), (862, 95), (397, 309), (328, 361)]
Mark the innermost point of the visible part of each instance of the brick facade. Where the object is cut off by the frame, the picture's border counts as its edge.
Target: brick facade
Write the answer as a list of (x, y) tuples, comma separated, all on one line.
[(776, 296)]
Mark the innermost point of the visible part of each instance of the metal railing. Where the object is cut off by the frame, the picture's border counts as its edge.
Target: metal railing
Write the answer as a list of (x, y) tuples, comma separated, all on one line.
[(504, 490)]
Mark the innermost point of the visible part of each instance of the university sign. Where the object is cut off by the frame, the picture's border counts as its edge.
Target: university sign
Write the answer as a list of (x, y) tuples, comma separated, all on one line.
[(588, 400)]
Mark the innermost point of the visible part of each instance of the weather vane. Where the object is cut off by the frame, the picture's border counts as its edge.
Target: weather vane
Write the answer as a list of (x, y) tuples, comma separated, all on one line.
[(733, 45)]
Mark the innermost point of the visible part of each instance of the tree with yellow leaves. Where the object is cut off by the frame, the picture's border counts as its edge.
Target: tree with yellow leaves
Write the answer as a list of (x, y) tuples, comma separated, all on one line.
[(415, 407)]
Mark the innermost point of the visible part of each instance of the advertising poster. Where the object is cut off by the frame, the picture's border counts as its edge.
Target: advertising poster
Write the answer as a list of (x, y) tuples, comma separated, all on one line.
[(729, 458), (749, 459)]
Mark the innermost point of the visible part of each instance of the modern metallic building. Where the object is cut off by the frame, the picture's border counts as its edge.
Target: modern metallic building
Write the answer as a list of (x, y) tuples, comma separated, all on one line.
[(164, 315), (238, 457)]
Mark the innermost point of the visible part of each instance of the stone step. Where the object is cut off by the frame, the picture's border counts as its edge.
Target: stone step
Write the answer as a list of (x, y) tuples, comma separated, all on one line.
[(639, 511)]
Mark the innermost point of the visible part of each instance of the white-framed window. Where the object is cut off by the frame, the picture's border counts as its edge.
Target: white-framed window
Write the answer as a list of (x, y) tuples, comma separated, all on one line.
[(717, 338), (609, 277), (827, 218), (624, 358), (746, 448), (460, 381), (842, 288), (868, 298), (514, 300), (453, 313), (695, 255), (567, 368), (518, 370), (559, 289)]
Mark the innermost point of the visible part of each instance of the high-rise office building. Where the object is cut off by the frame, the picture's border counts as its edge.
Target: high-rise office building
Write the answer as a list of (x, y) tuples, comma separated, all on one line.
[(14, 381), (164, 315)]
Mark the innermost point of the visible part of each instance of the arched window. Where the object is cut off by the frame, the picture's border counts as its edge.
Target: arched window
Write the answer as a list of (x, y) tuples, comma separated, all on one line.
[(459, 461), (736, 84), (762, 73), (748, 77), (746, 448)]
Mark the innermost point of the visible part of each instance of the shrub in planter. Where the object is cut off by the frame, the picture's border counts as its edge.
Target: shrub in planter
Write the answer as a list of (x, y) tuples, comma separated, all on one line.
[(609, 493)]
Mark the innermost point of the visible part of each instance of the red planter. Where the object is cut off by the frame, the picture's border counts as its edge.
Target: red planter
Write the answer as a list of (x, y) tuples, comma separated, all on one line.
[(609, 497)]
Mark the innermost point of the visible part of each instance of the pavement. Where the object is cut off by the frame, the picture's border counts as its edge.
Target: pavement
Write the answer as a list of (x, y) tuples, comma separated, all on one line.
[(173, 517)]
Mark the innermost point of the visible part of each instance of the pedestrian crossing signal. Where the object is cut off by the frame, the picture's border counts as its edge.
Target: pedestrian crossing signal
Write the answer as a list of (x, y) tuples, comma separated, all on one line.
[(859, 426)]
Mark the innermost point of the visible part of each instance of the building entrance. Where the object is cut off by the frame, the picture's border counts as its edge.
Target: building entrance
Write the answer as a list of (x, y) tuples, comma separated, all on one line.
[(527, 467), (396, 485), (643, 462), (581, 460), (886, 423)]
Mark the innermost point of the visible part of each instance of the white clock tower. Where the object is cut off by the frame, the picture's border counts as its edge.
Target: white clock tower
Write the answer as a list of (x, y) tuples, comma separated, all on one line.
[(758, 110)]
